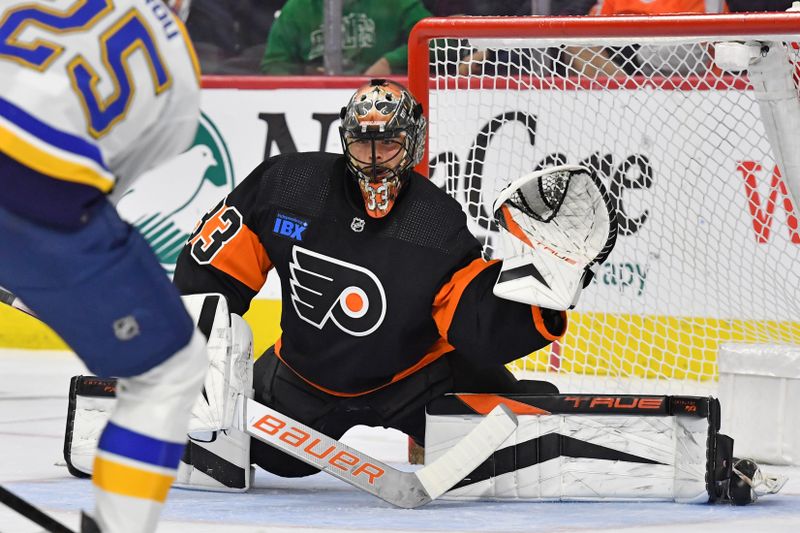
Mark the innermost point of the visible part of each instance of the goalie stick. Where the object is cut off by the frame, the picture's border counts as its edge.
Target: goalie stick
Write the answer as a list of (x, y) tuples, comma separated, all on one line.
[(402, 489), (31, 513)]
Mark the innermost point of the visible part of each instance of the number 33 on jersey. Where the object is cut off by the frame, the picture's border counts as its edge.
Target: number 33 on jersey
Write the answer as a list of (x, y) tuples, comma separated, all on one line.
[(84, 79)]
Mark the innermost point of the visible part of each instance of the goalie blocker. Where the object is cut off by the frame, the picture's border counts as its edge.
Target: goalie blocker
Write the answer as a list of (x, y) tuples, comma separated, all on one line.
[(574, 447)]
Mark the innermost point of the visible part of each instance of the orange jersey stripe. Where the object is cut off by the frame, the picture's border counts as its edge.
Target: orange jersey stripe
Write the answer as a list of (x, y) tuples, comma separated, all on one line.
[(446, 301), (484, 403), (439, 348), (244, 258)]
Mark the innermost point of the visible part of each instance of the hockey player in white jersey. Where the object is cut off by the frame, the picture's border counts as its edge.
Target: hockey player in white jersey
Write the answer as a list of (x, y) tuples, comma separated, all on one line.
[(93, 93)]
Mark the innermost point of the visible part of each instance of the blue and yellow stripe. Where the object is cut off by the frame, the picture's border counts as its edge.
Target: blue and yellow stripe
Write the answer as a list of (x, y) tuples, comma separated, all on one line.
[(136, 465), (140, 447), (125, 480), (50, 151)]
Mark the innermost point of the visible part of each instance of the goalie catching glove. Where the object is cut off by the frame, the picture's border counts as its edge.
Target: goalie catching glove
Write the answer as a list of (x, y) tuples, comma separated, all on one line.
[(559, 225)]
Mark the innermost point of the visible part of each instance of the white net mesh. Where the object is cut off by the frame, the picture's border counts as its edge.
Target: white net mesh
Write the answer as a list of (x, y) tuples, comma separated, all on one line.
[(709, 246)]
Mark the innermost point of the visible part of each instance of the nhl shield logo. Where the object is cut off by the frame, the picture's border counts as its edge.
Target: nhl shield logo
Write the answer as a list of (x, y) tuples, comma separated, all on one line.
[(126, 328), (357, 224), (167, 202)]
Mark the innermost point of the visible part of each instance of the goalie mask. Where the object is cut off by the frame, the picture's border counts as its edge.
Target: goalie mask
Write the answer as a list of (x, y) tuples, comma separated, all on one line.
[(383, 137)]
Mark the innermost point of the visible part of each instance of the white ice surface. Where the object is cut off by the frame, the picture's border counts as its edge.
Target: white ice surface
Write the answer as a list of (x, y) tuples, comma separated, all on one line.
[(33, 392)]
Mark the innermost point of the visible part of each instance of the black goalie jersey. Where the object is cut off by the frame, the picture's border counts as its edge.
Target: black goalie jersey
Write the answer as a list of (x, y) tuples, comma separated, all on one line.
[(365, 302)]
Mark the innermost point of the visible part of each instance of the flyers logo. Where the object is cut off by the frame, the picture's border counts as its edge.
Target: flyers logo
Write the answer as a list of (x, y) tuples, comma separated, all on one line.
[(324, 288), (217, 227)]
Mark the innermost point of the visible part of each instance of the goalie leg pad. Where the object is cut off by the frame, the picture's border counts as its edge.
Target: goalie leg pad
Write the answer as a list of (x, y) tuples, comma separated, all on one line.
[(230, 363), (218, 455), (738, 481), (594, 448), (220, 464)]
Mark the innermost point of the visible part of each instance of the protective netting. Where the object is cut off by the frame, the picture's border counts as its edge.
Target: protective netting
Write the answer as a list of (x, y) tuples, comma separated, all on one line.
[(709, 247)]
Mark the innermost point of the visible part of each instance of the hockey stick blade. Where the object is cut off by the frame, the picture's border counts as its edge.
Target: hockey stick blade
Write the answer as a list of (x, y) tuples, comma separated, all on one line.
[(32, 513), (402, 489)]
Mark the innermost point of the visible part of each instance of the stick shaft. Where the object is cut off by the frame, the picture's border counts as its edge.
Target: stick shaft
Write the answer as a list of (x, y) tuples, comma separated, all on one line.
[(32, 513)]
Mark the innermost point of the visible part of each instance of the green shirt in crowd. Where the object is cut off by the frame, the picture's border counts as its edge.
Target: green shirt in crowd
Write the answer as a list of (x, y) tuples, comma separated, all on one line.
[(371, 29)]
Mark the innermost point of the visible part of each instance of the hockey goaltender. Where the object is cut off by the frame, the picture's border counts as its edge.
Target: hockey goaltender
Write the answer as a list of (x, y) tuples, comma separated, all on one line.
[(391, 317)]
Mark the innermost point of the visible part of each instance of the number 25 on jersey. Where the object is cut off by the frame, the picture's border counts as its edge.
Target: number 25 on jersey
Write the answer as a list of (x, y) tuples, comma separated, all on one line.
[(129, 34)]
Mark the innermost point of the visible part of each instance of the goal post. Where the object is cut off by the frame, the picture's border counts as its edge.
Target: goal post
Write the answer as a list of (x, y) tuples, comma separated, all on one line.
[(709, 244)]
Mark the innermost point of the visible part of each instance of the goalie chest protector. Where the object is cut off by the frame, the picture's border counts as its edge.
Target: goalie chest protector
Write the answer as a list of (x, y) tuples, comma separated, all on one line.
[(585, 447), (300, 213)]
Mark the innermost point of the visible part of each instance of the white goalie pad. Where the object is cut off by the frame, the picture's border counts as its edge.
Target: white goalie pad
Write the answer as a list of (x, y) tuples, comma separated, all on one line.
[(558, 225), (591, 448), (230, 371), (217, 455), (91, 401)]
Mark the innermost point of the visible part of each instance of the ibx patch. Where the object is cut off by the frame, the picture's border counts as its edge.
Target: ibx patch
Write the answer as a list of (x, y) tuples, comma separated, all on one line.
[(289, 226)]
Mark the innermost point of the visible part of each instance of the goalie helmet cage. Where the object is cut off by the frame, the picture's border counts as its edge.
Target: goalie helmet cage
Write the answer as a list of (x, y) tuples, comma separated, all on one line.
[(708, 250)]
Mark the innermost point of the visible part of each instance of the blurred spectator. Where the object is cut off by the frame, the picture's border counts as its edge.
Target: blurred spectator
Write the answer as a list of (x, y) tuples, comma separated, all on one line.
[(486, 61), (447, 8), (375, 36), (592, 62), (571, 7), (657, 7), (744, 6), (582, 7), (229, 35)]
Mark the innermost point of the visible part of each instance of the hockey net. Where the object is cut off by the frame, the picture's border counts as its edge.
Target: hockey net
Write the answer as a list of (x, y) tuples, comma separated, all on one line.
[(709, 244)]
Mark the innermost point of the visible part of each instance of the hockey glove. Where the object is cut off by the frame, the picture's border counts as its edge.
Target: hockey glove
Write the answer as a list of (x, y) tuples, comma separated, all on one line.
[(559, 225)]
